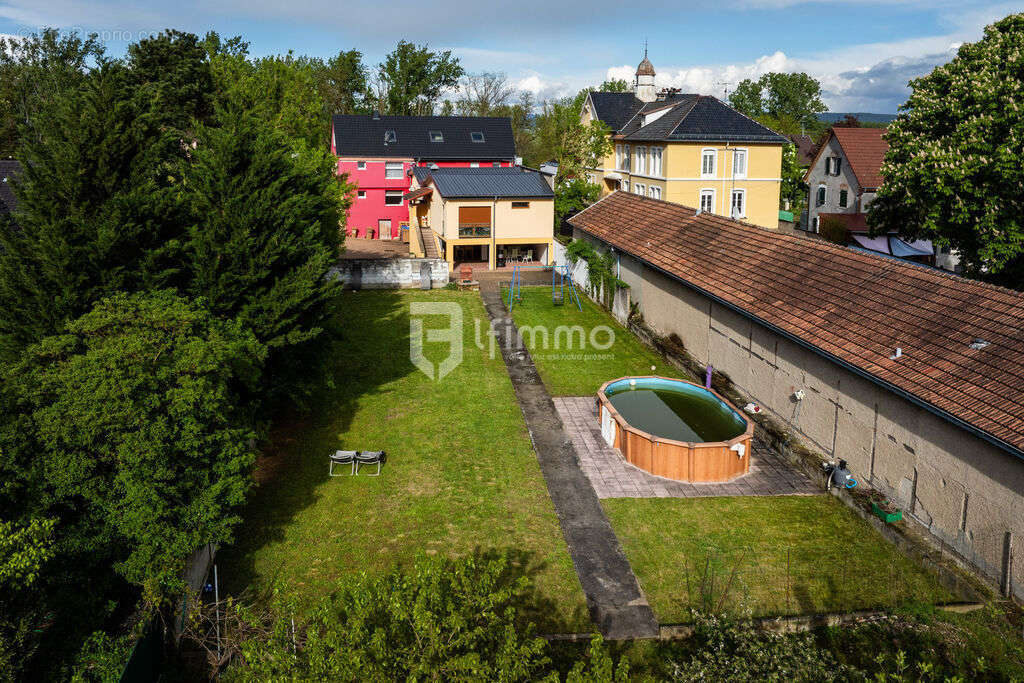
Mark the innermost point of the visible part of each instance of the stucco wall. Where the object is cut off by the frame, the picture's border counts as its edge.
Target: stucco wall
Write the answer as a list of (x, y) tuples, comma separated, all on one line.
[(833, 184), (958, 487), (681, 180)]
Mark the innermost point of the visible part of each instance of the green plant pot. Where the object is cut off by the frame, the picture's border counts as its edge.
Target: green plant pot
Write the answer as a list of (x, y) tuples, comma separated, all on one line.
[(887, 517)]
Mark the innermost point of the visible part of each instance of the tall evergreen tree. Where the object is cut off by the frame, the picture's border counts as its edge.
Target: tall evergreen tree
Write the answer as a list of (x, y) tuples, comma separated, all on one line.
[(172, 78), (264, 235), (95, 213)]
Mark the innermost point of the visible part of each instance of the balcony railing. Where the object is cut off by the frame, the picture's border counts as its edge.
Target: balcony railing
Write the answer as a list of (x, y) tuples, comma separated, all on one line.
[(474, 230)]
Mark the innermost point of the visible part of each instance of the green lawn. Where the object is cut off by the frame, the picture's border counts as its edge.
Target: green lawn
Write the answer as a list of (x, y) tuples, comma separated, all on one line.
[(461, 473), (580, 371), (732, 553)]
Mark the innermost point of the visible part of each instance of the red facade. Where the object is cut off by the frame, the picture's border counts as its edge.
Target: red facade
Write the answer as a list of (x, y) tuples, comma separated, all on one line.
[(371, 215)]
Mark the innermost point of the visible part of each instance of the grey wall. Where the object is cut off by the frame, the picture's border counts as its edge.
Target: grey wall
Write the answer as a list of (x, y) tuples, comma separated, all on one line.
[(398, 273), (958, 487)]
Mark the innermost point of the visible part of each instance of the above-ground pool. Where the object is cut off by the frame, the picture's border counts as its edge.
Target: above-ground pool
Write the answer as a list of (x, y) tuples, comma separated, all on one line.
[(675, 429)]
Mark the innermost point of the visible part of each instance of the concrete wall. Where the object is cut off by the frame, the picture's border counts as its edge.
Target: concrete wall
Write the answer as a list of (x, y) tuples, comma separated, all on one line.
[(959, 488), (389, 273)]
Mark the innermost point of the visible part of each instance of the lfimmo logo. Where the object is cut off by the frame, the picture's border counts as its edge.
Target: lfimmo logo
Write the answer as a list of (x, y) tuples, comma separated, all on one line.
[(451, 335)]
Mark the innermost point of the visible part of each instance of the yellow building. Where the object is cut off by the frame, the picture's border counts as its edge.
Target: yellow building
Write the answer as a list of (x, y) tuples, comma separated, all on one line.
[(688, 149), (482, 217)]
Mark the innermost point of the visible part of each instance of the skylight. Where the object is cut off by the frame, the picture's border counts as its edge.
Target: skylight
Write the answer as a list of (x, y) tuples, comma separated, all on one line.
[(390, 136), (476, 136), (436, 136)]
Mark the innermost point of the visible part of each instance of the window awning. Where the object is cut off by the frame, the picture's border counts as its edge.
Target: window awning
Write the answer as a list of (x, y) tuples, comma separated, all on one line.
[(915, 248), (416, 194), (879, 244), (894, 246), (613, 176)]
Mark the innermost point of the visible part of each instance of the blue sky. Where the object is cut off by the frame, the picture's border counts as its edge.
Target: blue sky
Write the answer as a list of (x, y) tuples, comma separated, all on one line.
[(863, 52)]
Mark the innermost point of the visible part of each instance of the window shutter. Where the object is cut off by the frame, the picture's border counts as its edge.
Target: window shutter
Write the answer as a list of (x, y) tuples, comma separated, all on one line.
[(837, 164)]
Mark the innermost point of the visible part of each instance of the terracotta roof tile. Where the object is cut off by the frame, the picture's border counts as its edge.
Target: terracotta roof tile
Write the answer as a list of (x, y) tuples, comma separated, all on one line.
[(865, 150), (851, 304)]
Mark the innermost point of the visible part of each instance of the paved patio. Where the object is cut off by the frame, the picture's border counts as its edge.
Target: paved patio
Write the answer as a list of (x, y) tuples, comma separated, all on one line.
[(363, 248), (612, 477)]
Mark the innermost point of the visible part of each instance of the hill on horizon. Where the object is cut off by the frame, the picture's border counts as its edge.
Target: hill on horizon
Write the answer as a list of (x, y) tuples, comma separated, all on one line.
[(866, 117)]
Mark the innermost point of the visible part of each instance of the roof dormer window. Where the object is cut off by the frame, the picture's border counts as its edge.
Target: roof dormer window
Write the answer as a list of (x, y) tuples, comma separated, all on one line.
[(390, 137), (476, 136), (436, 136)]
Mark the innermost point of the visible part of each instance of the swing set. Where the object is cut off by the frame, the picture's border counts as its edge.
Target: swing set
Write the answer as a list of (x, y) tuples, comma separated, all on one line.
[(561, 276)]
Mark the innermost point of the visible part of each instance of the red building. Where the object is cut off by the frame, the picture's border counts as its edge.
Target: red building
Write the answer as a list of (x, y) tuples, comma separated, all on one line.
[(377, 154)]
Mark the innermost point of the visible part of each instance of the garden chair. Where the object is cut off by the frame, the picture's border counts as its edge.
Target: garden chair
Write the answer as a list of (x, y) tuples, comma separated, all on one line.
[(342, 458), (377, 458)]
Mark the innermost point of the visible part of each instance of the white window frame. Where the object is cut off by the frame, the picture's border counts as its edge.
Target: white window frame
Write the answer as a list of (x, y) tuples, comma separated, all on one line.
[(704, 154), (393, 193), (815, 223), (625, 158), (361, 194), (654, 192), (625, 186), (474, 164), (743, 203), (837, 164), (656, 168), (618, 156), (824, 197), (737, 154), (707, 192), (389, 168), (640, 160), (360, 165), (639, 188)]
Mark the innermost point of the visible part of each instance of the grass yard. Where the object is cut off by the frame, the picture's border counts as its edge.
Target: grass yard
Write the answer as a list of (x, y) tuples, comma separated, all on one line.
[(461, 473), (732, 554), (575, 371)]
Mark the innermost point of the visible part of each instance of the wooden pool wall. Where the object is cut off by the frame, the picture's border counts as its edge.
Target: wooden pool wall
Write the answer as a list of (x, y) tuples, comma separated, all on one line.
[(701, 462)]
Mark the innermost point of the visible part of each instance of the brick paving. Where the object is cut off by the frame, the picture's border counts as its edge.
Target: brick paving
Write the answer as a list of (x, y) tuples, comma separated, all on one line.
[(612, 477)]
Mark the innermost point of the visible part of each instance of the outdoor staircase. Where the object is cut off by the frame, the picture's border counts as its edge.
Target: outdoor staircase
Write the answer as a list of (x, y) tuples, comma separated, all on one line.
[(429, 243)]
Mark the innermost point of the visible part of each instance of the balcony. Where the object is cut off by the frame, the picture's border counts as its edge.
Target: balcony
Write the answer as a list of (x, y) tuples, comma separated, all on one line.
[(467, 230)]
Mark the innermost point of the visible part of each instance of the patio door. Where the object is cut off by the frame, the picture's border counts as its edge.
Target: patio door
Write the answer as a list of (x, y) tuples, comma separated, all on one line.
[(384, 228)]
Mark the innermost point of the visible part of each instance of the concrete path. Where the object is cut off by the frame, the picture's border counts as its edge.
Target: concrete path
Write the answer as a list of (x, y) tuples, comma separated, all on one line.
[(618, 607), (613, 477)]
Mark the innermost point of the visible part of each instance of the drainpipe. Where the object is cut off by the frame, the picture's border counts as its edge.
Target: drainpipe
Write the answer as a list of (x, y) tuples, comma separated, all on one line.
[(707, 376), (494, 232)]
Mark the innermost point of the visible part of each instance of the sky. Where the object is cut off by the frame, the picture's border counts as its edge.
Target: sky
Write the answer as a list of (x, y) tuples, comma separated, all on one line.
[(863, 51)]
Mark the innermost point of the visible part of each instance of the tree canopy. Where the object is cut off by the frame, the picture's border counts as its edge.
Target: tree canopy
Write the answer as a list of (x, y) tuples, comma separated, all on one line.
[(792, 100), (412, 78), (953, 171)]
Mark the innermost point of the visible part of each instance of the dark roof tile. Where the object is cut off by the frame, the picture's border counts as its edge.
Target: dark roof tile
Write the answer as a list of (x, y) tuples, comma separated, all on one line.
[(363, 136), (515, 182)]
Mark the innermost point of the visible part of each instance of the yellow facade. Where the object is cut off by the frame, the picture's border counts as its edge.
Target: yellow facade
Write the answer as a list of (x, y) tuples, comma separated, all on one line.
[(515, 224), (682, 178)]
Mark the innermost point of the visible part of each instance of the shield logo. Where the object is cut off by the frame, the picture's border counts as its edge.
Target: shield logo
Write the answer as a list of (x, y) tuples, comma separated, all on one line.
[(452, 335)]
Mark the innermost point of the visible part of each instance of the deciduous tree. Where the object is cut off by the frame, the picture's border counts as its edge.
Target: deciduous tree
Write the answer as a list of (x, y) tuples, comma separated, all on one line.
[(795, 96), (412, 78), (953, 171), (34, 69)]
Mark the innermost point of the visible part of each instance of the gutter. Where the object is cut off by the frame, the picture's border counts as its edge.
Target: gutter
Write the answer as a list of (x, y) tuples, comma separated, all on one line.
[(902, 393)]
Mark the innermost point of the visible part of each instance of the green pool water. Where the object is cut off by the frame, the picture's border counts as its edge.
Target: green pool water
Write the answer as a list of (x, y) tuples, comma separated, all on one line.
[(675, 410)]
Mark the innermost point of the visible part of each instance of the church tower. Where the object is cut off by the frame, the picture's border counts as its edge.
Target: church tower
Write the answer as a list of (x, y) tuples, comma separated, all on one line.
[(643, 87)]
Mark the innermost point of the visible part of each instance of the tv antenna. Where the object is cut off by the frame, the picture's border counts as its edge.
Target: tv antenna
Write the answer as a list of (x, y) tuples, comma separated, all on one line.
[(726, 84)]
